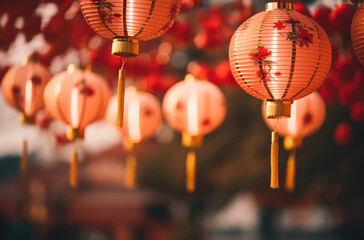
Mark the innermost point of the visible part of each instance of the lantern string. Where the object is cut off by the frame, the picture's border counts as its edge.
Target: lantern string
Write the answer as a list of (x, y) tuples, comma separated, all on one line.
[(291, 171), (130, 171), (274, 183), (191, 171), (73, 169)]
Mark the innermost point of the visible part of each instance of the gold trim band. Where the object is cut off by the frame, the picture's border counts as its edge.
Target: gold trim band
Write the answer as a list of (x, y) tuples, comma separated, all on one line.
[(125, 47), (279, 5), (277, 109)]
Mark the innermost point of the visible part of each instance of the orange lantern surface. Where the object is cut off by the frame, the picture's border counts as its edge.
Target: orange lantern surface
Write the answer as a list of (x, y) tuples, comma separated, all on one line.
[(194, 108), (279, 55), (357, 33), (307, 116), (142, 119), (76, 98), (23, 88), (127, 22)]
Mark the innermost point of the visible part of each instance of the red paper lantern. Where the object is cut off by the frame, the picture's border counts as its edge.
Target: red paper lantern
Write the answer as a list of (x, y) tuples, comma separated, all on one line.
[(279, 56), (128, 22), (307, 116), (357, 31), (77, 98), (194, 108), (23, 88)]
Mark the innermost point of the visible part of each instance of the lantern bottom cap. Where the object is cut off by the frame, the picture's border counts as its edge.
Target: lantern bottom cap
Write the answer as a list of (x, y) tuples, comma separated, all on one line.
[(27, 119), (125, 47), (191, 141), (73, 133), (291, 143), (277, 109)]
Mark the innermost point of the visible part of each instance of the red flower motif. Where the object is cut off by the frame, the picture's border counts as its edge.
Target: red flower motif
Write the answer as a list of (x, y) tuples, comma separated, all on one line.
[(117, 15), (260, 54), (36, 80), (206, 122), (179, 106), (279, 25), (307, 119), (15, 90), (88, 91), (264, 75), (148, 112), (278, 74), (305, 37)]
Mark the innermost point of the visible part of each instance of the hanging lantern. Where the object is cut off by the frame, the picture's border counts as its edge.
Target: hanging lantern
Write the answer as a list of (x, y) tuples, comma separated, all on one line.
[(357, 31), (23, 88), (142, 120), (127, 22), (194, 108), (279, 55), (307, 116), (77, 98)]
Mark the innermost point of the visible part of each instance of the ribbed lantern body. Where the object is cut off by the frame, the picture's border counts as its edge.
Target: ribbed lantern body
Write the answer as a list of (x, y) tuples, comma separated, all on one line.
[(307, 116), (357, 33), (280, 55), (23, 87), (135, 19), (194, 107), (142, 115), (77, 98)]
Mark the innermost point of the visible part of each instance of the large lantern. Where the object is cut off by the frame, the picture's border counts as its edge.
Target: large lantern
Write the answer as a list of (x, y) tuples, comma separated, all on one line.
[(194, 108), (23, 88), (77, 98), (357, 33), (307, 116), (142, 119), (279, 55), (127, 22)]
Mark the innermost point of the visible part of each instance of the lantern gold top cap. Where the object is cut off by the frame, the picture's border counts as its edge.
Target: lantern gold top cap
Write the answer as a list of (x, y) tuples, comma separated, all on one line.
[(279, 5)]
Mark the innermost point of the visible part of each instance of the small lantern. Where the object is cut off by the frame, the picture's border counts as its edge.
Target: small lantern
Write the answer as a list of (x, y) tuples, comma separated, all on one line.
[(195, 108)]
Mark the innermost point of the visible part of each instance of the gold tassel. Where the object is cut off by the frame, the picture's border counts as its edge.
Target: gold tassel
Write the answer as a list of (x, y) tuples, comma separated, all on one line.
[(291, 171), (130, 174), (121, 93), (274, 161), (73, 170), (24, 157), (191, 171)]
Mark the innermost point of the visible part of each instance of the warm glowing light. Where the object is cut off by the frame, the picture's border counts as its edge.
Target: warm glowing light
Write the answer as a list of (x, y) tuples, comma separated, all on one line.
[(28, 96), (134, 120), (192, 114), (74, 107)]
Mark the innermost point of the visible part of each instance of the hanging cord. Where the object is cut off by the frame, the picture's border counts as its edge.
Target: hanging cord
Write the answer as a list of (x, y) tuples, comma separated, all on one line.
[(73, 167), (291, 171), (191, 171), (121, 95), (274, 158), (130, 171)]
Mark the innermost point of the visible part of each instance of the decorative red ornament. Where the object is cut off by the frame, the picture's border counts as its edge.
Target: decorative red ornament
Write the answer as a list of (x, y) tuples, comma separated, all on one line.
[(343, 134), (23, 88), (76, 98), (307, 116), (357, 112), (194, 108), (128, 22), (357, 31), (341, 18), (279, 56), (322, 16)]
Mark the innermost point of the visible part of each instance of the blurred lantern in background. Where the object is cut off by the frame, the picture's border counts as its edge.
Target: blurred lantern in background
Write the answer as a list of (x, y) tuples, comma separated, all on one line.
[(23, 88), (142, 119), (279, 56), (127, 23), (307, 116), (357, 33), (77, 98), (193, 107)]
